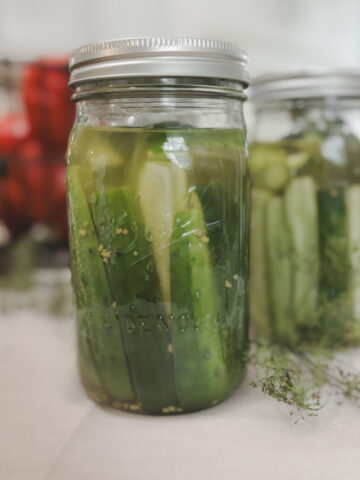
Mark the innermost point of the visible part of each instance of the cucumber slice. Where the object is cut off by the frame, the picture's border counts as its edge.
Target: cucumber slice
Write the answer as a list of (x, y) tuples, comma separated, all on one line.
[(274, 177), (200, 372), (88, 367), (352, 200), (280, 273), (214, 144), (221, 214), (333, 242), (103, 153), (162, 192), (97, 323), (268, 167), (259, 289), (302, 218), (91, 145), (262, 156), (298, 160), (129, 262), (89, 370)]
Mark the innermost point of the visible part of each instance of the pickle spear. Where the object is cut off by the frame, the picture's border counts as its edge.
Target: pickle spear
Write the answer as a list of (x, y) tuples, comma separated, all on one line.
[(333, 242), (97, 324), (222, 202), (268, 167), (127, 253), (226, 249), (302, 218), (279, 267), (162, 191), (200, 372), (259, 289), (352, 199)]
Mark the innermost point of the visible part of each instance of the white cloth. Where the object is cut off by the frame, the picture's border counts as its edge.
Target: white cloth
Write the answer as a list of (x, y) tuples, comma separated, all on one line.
[(49, 430)]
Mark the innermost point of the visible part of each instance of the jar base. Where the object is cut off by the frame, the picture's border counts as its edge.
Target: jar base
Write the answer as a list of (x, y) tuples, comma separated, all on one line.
[(103, 399)]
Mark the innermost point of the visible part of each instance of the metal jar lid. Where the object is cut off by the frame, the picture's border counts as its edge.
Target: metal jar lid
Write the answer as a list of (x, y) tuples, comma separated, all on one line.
[(303, 85), (158, 57)]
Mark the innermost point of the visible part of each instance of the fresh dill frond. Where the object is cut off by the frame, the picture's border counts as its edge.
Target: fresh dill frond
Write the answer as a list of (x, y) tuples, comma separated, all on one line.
[(304, 380), (280, 374)]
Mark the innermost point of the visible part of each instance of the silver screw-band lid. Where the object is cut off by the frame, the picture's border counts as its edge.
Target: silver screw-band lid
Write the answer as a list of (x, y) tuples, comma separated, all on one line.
[(163, 57)]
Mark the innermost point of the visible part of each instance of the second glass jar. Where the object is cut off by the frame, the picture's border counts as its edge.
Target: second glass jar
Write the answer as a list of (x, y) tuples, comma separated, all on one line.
[(305, 237)]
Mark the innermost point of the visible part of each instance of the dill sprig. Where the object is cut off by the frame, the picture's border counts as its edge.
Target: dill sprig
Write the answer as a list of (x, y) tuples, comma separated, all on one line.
[(304, 380), (21, 286), (280, 374), (332, 373)]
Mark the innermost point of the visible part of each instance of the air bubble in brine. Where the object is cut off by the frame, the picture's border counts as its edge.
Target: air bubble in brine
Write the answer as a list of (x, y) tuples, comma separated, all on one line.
[(130, 326), (145, 276), (183, 321), (149, 267), (145, 326)]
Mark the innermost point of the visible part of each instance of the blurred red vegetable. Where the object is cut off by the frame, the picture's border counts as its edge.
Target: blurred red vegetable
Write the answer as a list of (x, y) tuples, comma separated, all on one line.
[(33, 190), (57, 217), (31, 170), (32, 151), (14, 129), (47, 100), (12, 202)]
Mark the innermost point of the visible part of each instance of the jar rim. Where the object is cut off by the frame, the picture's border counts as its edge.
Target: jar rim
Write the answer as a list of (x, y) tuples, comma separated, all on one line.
[(156, 57), (305, 84)]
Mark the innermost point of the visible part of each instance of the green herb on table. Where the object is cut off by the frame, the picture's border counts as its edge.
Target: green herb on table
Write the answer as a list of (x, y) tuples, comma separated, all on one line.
[(18, 276), (280, 374), (304, 380), (26, 283)]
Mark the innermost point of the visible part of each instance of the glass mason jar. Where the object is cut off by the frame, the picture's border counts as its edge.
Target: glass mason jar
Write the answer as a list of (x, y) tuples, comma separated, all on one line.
[(158, 198), (305, 233)]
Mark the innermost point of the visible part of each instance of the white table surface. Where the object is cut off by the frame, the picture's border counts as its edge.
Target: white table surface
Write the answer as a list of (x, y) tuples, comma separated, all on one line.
[(49, 430)]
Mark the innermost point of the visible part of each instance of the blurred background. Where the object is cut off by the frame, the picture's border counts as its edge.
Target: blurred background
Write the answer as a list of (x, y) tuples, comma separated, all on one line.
[(36, 112), (278, 33)]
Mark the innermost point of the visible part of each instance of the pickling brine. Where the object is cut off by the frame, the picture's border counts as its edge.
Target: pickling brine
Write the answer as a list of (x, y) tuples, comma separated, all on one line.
[(159, 241)]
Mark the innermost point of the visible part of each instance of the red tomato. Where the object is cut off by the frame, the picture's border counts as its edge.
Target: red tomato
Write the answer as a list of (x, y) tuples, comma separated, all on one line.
[(54, 62), (58, 215), (47, 99), (13, 206), (32, 171), (32, 147), (14, 129)]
